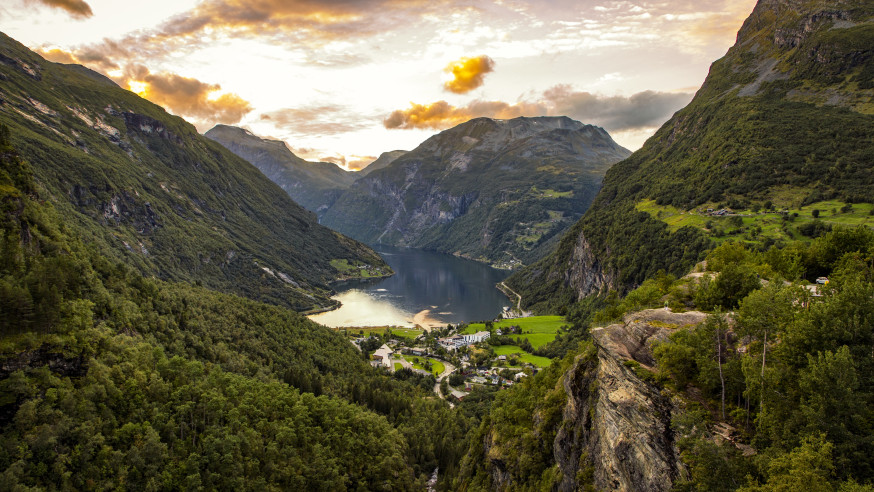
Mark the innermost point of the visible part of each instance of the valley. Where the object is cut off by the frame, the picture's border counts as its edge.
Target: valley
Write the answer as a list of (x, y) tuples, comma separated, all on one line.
[(517, 303)]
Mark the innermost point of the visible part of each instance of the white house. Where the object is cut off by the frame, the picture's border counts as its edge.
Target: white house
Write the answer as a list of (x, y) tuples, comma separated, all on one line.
[(383, 356)]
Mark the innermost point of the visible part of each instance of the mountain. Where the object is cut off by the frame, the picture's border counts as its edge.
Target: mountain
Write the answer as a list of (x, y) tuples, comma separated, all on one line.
[(315, 185), (150, 192), (110, 379), (382, 161), (781, 130), (491, 190)]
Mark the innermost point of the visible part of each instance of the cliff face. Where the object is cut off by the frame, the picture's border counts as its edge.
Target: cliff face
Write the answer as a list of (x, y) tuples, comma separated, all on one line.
[(617, 427), (585, 273), (493, 190)]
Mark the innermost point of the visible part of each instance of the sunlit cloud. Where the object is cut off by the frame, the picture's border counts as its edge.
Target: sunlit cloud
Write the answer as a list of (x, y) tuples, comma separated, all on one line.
[(203, 102), (441, 115), (187, 96), (615, 113), (78, 9), (468, 73)]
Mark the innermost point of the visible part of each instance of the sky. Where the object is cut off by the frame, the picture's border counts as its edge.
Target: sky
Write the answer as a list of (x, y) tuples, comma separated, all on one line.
[(345, 80)]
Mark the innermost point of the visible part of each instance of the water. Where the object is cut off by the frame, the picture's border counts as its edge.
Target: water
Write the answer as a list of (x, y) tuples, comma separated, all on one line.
[(428, 288)]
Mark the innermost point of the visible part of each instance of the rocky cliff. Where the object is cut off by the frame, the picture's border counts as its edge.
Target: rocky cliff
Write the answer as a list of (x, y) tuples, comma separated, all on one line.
[(603, 423), (617, 425), (492, 190)]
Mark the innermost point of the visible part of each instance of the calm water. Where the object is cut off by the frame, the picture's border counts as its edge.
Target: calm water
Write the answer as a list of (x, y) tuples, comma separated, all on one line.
[(428, 288)]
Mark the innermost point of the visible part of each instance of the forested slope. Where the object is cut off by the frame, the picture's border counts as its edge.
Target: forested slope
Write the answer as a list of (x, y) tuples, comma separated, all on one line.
[(149, 191), (783, 121), (113, 380)]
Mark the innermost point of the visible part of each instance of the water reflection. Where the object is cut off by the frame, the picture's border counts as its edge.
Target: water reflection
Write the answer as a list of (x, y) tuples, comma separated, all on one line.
[(428, 288)]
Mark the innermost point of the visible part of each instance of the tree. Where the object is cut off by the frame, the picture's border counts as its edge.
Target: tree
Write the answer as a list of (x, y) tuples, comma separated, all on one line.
[(765, 311)]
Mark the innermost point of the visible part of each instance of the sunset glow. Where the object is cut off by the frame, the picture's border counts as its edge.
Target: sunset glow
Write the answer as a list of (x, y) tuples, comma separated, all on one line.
[(346, 81)]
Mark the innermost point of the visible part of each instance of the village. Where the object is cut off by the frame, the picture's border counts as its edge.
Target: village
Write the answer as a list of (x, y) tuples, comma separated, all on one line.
[(487, 355)]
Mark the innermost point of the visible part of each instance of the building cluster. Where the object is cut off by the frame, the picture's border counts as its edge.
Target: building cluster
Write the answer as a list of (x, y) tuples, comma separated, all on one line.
[(456, 341)]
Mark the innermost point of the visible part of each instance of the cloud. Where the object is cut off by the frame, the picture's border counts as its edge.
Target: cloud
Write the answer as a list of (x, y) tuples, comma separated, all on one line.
[(319, 120), (57, 55), (468, 73), (441, 114), (615, 113), (187, 96), (78, 9)]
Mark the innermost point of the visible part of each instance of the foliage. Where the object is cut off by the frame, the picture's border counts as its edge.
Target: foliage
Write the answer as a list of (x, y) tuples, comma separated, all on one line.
[(150, 192), (114, 380)]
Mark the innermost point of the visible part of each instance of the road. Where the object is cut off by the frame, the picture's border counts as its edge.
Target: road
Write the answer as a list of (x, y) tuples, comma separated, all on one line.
[(519, 302), (448, 369)]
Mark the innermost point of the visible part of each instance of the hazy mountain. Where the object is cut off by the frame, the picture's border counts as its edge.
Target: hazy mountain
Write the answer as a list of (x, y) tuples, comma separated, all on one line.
[(492, 190), (148, 190), (785, 119), (382, 161), (315, 185)]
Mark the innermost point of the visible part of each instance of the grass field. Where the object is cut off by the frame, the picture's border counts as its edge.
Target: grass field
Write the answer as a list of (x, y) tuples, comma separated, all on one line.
[(398, 366), (523, 356), (758, 226), (542, 328), (408, 333), (437, 367)]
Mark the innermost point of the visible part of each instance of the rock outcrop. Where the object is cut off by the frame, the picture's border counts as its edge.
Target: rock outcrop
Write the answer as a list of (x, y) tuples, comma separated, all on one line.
[(617, 427)]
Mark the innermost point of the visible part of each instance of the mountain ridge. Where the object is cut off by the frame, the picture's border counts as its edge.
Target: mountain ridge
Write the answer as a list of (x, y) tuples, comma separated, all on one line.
[(314, 185), (490, 190), (155, 194)]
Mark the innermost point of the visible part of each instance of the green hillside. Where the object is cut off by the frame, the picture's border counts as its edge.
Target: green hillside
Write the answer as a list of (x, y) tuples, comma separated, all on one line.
[(147, 190), (113, 380), (783, 122)]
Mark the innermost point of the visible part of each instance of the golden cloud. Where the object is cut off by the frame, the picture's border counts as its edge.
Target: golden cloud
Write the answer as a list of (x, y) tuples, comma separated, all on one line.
[(187, 96), (441, 114), (57, 55), (76, 8), (468, 73), (184, 96), (642, 110)]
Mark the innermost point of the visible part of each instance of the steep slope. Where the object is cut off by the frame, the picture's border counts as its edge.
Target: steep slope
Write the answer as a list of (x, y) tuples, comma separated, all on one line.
[(315, 185), (492, 190), (109, 379), (382, 161), (785, 121), (152, 193)]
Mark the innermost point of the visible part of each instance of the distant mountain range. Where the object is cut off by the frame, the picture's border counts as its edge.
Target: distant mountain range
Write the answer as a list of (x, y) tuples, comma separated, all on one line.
[(492, 190), (784, 121), (148, 190), (314, 185)]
